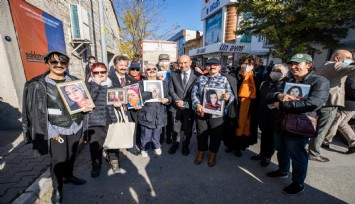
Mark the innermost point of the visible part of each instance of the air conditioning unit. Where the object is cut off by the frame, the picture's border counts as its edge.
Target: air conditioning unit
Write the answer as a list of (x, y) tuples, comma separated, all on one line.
[(80, 23)]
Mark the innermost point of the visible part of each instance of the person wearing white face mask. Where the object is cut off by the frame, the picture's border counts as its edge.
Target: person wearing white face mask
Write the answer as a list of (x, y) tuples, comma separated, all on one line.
[(249, 78), (269, 118), (336, 71)]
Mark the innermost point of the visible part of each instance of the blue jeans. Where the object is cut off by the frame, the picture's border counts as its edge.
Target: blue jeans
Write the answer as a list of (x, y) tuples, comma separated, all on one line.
[(291, 147), (150, 136)]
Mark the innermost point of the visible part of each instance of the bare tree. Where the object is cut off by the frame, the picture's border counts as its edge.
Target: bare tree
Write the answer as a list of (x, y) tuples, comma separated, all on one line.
[(140, 20)]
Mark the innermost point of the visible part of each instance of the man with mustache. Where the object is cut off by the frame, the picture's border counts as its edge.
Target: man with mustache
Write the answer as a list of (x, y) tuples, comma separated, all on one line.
[(49, 126), (121, 79)]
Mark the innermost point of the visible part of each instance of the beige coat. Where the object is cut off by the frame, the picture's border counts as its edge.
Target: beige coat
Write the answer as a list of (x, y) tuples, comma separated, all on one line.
[(336, 73)]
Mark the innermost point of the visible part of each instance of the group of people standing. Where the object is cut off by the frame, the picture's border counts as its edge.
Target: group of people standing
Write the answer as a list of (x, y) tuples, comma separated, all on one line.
[(250, 101)]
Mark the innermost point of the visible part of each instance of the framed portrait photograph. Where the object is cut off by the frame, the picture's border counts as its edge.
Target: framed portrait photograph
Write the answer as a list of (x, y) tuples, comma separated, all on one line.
[(212, 101), (75, 96), (297, 90), (133, 96), (156, 87), (116, 95), (163, 75)]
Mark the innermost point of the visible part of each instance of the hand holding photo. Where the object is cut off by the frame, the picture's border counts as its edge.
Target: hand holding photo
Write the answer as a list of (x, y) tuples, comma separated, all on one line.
[(156, 88), (134, 98), (297, 90), (75, 96), (213, 103), (116, 95)]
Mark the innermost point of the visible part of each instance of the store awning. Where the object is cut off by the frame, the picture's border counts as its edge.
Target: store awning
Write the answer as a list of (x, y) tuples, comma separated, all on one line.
[(221, 48)]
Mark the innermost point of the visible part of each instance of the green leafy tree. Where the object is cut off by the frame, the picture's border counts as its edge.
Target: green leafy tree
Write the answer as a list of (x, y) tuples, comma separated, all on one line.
[(140, 20), (297, 25)]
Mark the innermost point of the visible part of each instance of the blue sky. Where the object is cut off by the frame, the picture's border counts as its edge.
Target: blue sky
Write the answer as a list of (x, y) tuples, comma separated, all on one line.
[(186, 13)]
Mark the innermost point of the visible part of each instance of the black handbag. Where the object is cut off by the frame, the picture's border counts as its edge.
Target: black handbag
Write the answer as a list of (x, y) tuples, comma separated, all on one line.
[(302, 124)]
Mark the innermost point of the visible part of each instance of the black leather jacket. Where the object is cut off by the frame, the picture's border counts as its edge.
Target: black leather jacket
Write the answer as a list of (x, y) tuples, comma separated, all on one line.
[(35, 114)]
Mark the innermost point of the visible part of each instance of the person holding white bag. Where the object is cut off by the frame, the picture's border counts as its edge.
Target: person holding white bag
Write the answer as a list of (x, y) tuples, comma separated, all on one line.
[(100, 118)]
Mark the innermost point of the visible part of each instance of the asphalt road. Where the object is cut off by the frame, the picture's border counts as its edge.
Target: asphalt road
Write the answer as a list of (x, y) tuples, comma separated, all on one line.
[(176, 179)]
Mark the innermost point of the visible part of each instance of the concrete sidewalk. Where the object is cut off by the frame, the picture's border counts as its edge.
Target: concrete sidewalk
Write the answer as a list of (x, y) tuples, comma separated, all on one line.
[(19, 169), (176, 179)]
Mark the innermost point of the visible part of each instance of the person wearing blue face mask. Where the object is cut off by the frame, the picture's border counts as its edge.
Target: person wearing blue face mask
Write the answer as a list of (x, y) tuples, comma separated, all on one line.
[(269, 118), (336, 71)]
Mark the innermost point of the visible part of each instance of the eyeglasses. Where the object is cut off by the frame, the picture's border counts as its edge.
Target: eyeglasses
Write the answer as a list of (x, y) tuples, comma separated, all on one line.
[(134, 69), (151, 69), (55, 63), (99, 72)]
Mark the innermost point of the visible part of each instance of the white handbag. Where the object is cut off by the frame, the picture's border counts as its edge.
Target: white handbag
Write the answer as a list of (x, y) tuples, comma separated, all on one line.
[(120, 134)]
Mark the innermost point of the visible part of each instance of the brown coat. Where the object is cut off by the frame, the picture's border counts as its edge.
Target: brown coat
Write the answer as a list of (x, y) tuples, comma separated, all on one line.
[(336, 73)]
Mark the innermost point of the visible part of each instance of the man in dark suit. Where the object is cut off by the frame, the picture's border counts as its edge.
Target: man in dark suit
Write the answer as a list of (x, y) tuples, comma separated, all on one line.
[(180, 86), (121, 79)]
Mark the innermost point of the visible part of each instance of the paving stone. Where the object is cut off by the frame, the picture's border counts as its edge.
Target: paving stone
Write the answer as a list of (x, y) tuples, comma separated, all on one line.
[(11, 194)]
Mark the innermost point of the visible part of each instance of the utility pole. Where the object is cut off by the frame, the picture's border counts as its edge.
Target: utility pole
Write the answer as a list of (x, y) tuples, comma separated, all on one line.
[(103, 33)]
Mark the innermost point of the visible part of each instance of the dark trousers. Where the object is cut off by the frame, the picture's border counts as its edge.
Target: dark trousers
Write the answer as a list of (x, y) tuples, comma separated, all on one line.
[(183, 121), (166, 131), (62, 158), (209, 129), (325, 120), (228, 135), (150, 137), (267, 147), (292, 148), (96, 137)]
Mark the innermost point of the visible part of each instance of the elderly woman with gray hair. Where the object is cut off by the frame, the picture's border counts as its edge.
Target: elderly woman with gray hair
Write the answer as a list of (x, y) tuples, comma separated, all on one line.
[(268, 117)]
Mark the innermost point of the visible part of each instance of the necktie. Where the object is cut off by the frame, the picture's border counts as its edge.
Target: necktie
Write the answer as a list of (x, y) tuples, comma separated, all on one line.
[(184, 79), (123, 82)]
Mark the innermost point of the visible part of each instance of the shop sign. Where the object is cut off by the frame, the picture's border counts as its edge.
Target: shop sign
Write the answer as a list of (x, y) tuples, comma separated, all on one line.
[(231, 48)]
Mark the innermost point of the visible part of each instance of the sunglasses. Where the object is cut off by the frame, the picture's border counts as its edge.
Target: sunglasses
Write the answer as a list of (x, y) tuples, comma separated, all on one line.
[(135, 69), (99, 72), (55, 62), (151, 69)]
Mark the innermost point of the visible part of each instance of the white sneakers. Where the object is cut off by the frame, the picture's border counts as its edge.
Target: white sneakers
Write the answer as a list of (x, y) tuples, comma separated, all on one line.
[(156, 151), (144, 153)]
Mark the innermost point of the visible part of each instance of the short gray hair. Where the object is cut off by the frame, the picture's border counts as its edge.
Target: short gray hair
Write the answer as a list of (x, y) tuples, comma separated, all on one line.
[(283, 67)]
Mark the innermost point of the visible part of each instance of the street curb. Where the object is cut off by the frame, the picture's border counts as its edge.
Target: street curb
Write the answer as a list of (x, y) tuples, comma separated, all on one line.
[(40, 187), (36, 190)]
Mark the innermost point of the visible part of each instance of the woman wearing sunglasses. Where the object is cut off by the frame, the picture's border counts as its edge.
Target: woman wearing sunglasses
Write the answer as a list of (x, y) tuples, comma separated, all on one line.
[(99, 119), (153, 115)]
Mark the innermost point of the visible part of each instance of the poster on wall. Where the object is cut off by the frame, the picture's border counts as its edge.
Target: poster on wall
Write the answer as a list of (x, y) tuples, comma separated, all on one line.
[(213, 29), (37, 33)]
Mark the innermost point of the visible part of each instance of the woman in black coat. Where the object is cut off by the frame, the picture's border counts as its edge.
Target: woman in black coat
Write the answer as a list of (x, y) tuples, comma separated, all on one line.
[(269, 116), (99, 119)]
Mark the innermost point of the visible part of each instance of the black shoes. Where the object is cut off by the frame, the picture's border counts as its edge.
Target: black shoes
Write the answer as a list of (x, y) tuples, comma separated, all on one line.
[(293, 189), (350, 150), (265, 162), (96, 168), (57, 196), (256, 157), (277, 174), (238, 153), (326, 146), (318, 158), (74, 180), (185, 150), (173, 148)]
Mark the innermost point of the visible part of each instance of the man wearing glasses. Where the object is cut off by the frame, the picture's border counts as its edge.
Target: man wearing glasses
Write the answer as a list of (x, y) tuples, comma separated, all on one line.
[(48, 125)]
